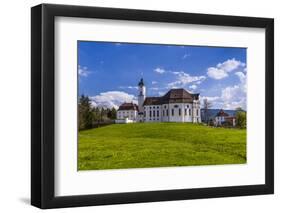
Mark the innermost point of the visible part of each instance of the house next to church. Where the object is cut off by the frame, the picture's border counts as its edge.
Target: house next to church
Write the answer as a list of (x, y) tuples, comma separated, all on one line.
[(177, 105), (127, 113), (223, 118)]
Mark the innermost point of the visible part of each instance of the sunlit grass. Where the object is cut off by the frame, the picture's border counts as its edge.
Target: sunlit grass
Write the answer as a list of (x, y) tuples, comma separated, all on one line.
[(142, 145)]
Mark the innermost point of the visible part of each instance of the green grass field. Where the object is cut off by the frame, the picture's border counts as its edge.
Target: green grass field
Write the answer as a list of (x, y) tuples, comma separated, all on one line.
[(142, 145)]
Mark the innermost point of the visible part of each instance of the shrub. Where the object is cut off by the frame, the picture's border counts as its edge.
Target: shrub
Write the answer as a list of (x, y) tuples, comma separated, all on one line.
[(241, 120)]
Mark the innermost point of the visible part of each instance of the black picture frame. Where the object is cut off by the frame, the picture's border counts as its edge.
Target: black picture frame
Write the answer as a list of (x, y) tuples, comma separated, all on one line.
[(43, 102)]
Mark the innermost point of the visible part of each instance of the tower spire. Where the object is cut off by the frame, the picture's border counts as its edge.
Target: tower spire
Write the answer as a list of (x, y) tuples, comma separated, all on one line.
[(141, 98), (141, 83)]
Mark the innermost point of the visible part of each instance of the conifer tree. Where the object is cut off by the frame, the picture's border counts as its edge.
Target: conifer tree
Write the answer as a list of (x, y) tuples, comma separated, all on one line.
[(85, 113)]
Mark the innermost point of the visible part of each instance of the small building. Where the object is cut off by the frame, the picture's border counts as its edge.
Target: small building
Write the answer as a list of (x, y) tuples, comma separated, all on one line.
[(223, 118), (127, 113)]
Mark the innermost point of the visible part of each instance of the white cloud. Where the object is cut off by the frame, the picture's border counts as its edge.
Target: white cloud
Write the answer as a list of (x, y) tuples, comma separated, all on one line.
[(155, 88), (159, 70), (193, 86), (241, 76), (223, 69), (236, 96), (154, 82), (83, 71), (210, 98), (216, 73), (215, 101), (161, 93), (182, 79), (243, 80), (112, 99), (128, 87), (229, 93), (132, 87), (232, 96), (185, 55), (230, 65)]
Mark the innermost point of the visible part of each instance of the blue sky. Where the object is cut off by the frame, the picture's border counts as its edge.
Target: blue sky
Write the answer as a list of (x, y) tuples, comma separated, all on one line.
[(109, 72)]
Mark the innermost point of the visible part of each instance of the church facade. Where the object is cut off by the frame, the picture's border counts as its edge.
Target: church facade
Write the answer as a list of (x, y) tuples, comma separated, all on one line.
[(177, 105)]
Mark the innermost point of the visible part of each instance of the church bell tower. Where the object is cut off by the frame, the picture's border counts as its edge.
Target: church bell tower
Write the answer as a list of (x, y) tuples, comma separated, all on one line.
[(141, 97)]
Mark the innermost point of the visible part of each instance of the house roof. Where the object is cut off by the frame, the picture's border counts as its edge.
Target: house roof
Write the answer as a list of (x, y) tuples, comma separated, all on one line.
[(152, 101), (179, 96), (221, 113), (172, 96), (128, 106)]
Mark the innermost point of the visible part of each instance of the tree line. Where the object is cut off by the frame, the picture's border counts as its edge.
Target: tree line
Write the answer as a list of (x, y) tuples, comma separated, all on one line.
[(89, 116)]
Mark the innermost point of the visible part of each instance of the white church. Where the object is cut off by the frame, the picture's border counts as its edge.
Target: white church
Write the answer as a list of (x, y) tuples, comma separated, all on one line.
[(177, 105)]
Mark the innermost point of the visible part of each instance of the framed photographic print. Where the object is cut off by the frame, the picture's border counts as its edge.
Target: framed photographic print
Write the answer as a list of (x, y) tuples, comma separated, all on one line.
[(140, 106)]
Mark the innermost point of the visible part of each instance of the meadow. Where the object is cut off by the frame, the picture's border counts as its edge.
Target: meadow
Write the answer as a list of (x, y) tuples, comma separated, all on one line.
[(143, 145)]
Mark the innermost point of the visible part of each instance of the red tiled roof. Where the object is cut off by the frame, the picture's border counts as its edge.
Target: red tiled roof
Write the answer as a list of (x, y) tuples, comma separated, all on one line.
[(221, 113), (173, 96), (152, 101), (230, 118), (128, 106)]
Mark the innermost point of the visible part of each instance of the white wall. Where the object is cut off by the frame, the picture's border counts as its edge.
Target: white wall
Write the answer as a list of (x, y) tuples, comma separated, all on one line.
[(179, 118), (171, 117), (141, 90), (153, 109), (15, 106), (130, 114)]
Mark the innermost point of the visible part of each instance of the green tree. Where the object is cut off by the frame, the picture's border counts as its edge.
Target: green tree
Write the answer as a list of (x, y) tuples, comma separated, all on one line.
[(112, 113), (206, 106), (241, 119), (239, 109), (103, 114), (85, 113), (95, 114)]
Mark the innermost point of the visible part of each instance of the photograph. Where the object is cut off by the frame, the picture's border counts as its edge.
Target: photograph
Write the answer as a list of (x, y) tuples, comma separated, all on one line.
[(144, 105)]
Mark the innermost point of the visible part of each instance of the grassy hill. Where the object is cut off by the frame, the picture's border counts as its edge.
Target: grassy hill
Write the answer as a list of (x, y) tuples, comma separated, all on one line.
[(142, 145)]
